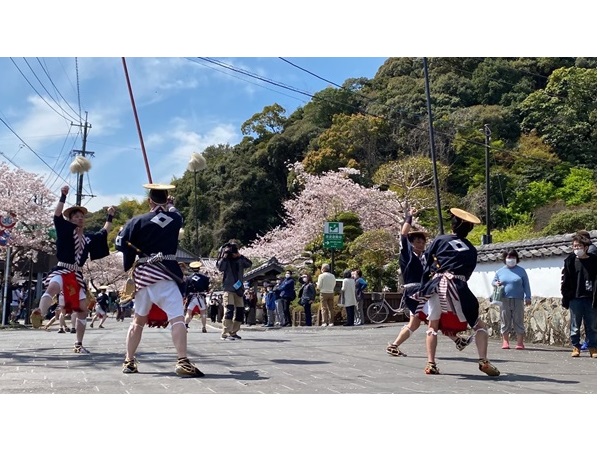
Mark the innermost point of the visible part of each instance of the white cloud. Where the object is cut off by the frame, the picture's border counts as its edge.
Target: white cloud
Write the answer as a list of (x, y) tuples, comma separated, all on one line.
[(183, 141)]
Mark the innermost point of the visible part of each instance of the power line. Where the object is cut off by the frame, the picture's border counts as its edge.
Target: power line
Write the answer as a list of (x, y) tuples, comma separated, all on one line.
[(56, 88), (40, 95), (27, 145), (311, 73), (10, 160), (245, 80), (255, 76)]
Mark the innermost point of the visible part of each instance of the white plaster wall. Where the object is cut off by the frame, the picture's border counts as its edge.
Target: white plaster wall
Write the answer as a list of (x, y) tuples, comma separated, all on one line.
[(544, 276)]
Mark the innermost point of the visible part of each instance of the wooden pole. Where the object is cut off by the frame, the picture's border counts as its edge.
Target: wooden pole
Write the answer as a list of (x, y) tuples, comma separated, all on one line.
[(137, 122)]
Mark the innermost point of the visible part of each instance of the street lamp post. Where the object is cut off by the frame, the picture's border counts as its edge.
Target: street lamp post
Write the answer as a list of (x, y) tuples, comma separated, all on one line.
[(196, 247), (196, 164), (487, 239)]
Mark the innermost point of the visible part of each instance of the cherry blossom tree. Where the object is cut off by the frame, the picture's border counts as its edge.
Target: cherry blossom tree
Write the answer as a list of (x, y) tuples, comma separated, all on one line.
[(322, 197), (107, 271), (26, 207), (412, 178)]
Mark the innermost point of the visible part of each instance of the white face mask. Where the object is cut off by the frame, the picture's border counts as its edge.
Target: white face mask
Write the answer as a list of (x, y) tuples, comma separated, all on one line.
[(511, 262), (287, 275), (578, 252)]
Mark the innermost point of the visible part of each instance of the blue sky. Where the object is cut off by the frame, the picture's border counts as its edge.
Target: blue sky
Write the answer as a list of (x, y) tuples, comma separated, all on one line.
[(183, 104)]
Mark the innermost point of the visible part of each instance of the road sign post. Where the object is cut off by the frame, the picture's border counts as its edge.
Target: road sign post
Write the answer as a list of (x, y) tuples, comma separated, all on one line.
[(333, 238)]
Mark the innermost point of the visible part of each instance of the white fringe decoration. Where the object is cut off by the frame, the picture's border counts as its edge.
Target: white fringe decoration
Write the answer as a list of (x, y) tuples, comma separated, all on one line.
[(80, 165), (196, 163)]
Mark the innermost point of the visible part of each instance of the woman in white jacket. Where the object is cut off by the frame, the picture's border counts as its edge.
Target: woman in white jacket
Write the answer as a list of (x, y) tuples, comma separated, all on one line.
[(348, 296)]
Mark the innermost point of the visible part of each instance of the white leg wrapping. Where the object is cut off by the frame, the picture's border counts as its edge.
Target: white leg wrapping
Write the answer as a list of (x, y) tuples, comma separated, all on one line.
[(45, 302), (406, 327), (483, 330), (83, 322), (175, 323), (431, 331)]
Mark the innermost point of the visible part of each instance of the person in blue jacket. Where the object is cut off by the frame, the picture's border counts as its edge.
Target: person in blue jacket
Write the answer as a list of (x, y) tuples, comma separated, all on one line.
[(286, 292), (271, 305)]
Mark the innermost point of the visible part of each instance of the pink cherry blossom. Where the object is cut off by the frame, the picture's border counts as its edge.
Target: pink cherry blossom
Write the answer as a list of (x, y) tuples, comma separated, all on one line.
[(320, 199), (24, 197)]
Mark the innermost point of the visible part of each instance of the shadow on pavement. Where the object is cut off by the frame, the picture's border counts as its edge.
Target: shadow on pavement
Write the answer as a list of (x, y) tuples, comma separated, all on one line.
[(298, 361), (514, 377)]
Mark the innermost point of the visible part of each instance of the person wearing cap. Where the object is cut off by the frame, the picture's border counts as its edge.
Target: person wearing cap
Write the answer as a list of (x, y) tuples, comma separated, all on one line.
[(450, 305), (412, 264), (101, 307), (149, 243), (231, 263), (73, 247), (196, 287)]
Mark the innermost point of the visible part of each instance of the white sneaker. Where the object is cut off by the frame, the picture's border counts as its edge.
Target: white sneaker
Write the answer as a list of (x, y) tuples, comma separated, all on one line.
[(324, 325), (330, 325)]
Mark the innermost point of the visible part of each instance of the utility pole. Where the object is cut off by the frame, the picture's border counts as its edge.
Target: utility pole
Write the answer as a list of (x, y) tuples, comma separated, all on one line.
[(487, 238), (83, 153)]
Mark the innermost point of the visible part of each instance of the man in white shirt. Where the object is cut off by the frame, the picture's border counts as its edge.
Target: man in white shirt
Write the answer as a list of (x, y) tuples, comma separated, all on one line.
[(326, 286)]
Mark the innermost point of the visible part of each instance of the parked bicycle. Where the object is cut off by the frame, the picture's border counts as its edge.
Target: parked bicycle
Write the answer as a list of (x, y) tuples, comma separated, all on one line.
[(379, 311)]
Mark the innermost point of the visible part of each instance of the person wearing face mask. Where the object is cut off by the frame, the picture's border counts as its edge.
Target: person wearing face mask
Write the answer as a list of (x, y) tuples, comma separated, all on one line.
[(287, 293), (592, 250), (517, 293), (578, 289), (307, 294)]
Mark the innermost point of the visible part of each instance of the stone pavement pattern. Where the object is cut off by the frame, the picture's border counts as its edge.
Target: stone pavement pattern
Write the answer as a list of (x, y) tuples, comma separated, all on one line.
[(296, 360)]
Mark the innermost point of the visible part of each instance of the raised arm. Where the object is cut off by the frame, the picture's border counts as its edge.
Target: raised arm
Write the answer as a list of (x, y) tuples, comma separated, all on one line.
[(109, 219), (61, 202), (408, 221)]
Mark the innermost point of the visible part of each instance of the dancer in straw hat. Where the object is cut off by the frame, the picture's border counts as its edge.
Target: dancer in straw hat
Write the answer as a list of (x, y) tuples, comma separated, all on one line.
[(196, 287), (412, 264), (101, 306), (73, 247), (150, 241), (451, 306)]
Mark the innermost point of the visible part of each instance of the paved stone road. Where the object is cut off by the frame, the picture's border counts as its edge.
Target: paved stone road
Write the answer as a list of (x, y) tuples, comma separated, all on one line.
[(347, 360)]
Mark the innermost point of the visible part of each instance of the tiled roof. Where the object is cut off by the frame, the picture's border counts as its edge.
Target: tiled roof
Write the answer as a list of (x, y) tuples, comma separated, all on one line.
[(531, 248), (183, 255), (271, 264)]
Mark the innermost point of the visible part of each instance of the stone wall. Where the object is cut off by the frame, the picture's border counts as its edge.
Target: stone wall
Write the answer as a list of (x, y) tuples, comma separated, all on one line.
[(546, 321)]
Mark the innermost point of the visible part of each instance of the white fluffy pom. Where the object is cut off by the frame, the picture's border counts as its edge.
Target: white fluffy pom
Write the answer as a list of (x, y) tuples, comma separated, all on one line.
[(197, 162), (80, 165)]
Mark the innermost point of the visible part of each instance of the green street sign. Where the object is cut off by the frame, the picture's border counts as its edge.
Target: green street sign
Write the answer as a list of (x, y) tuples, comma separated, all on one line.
[(333, 228), (333, 241)]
